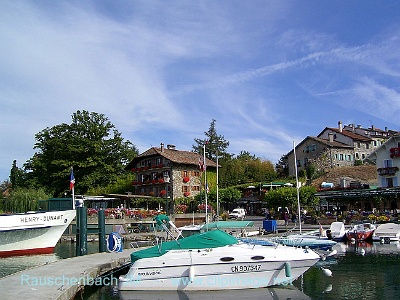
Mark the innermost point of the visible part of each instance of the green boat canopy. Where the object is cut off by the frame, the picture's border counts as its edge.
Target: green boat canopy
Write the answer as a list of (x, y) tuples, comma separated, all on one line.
[(209, 239)]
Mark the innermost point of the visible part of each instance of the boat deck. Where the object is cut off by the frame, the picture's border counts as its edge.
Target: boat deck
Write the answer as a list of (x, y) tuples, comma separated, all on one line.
[(62, 279)]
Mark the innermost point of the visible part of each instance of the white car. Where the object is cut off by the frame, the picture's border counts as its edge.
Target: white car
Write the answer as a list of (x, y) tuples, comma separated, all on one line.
[(237, 213)]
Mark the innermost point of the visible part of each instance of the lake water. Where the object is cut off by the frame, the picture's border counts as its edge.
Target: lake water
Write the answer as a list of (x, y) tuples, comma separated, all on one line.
[(360, 271)]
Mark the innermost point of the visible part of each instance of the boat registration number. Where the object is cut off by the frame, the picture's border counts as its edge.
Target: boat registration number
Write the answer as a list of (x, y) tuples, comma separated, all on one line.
[(245, 268)]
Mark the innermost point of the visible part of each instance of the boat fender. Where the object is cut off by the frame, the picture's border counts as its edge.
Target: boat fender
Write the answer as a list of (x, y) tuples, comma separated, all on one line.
[(326, 272), (191, 274), (288, 270)]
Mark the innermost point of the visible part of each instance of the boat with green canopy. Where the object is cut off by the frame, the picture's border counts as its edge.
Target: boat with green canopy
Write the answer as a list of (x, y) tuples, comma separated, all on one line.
[(214, 260)]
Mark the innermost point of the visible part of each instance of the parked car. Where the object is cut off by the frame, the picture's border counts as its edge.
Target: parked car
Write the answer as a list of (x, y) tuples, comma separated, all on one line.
[(238, 213)]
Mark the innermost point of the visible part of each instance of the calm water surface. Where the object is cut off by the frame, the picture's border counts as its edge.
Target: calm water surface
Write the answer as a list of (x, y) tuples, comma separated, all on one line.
[(363, 271)]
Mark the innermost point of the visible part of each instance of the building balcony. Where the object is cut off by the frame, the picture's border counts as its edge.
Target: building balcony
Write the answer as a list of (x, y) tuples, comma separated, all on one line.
[(388, 171)]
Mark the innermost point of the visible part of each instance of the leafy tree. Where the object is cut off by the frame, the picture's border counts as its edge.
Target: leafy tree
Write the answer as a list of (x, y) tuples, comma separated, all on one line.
[(246, 168), (282, 167), (215, 144), (90, 144), (23, 200), (16, 176), (287, 197)]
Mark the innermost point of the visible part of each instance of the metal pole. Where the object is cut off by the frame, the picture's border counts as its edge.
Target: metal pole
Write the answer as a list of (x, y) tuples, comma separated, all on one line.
[(205, 181), (297, 185), (81, 246), (102, 231), (217, 190)]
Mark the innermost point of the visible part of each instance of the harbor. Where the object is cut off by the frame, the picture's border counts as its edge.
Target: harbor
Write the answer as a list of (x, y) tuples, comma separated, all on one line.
[(368, 269)]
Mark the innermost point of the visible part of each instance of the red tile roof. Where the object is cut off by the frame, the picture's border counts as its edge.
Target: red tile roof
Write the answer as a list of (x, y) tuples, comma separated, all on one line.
[(175, 156)]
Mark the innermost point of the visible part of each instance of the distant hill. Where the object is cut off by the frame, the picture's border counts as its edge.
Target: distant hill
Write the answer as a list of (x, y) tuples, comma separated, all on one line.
[(364, 174)]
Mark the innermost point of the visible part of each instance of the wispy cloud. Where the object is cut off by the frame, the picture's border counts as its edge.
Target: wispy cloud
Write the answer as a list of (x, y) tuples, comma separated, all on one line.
[(162, 71)]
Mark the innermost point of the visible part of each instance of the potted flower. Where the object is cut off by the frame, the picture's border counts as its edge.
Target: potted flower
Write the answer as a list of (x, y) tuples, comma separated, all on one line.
[(186, 179)]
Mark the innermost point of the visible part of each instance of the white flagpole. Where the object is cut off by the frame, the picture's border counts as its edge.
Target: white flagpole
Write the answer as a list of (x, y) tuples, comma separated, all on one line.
[(73, 187), (217, 190), (205, 179), (297, 185)]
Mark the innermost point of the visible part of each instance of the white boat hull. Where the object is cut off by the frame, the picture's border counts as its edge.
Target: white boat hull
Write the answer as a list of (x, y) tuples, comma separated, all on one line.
[(387, 232), (241, 266), (32, 233)]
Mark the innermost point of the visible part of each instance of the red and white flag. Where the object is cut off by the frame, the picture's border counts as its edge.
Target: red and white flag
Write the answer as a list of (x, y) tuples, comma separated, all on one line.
[(202, 166), (71, 180)]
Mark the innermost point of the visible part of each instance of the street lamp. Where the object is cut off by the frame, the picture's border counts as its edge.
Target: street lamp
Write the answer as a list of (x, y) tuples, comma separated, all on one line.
[(167, 181)]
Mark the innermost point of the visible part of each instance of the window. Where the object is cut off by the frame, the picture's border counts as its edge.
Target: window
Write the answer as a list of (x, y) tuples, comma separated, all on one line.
[(185, 174), (185, 189), (387, 163), (141, 177), (196, 188)]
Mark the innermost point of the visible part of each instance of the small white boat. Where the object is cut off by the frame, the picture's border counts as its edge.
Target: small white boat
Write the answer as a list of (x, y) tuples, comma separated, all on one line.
[(214, 260), (309, 241), (387, 232), (361, 232), (337, 231)]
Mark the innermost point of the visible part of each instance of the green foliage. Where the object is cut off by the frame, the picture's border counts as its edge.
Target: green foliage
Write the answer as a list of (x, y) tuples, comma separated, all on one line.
[(287, 197), (90, 144), (282, 167), (121, 185), (215, 144), (17, 176), (358, 162), (23, 200), (229, 195), (245, 169)]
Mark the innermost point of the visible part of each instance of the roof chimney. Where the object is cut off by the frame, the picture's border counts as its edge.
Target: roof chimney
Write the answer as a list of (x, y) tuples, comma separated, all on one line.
[(162, 147), (340, 124)]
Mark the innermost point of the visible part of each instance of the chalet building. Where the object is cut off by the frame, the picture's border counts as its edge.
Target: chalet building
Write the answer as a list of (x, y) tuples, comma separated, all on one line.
[(168, 173), (337, 147), (387, 160)]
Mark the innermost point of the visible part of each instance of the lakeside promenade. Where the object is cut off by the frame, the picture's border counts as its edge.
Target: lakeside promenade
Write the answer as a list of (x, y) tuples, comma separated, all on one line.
[(62, 280)]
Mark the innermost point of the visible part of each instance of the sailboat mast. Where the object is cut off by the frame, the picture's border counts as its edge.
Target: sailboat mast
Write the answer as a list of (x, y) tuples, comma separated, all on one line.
[(205, 179), (217, 190), (297, 186)]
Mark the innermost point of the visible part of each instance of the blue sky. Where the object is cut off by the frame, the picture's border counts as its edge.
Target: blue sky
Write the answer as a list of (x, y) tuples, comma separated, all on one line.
[(268, 72)]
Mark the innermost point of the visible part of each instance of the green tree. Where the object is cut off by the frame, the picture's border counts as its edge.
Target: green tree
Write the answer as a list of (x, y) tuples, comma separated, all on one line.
[(245, 168), (17, 176), (90, 144), (282, 167), (215, 144), (22, 200), (287, 197)]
